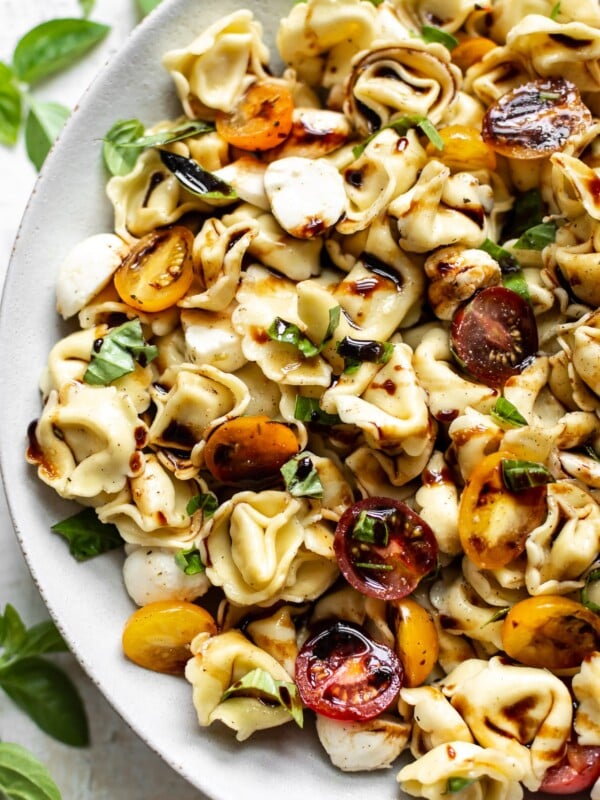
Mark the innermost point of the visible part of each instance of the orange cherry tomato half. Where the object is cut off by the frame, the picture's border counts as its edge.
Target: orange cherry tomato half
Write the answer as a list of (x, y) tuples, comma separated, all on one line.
[(550, 631), (384, 548), (249, 449), (494, 335), (157, 271), (342, 673), (417, 643), (493, 522), (579, 770), (157, 636), (262, 118), (535, 119)]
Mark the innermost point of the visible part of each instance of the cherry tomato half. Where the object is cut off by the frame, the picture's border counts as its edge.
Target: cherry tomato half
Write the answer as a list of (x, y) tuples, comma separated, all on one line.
[(417, 643), (157, 636), (158, 270), (342, 673), (494, 335), (384, 548), (249, 449), (262, 118), (550, 631), (535, 119), (493, 522), (579, 770)]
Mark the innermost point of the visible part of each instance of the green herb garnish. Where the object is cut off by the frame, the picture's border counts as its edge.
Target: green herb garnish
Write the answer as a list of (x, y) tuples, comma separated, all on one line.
[(260, 683), (455, 784), (505, 413), (195, 179), (117, 353), (307, 409), (555, 11), (206, 502), (512, 273), (593, 577), (537, 238), (280, 330), (117, 146), (301, 477), (431, 34), (190, 561), (23, 777), (518, 476), (371, 529), (87, 536), (402, 125)]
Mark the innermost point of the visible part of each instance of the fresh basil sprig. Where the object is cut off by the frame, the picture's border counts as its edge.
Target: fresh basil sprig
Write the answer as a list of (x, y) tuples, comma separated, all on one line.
[(23, 777), (117, 353), (370, 529), (260, 683), (87, 536), (40, 688), (301, 477), (402, 125)]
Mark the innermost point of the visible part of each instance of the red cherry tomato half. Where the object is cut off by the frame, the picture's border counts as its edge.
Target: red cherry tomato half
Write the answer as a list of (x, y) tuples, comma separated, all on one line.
[(343, 674), (579, 770), (494, 335), (384, 548)]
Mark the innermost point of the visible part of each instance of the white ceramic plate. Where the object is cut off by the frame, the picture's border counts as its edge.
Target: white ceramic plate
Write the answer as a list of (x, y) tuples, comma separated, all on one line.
[(88, 600)]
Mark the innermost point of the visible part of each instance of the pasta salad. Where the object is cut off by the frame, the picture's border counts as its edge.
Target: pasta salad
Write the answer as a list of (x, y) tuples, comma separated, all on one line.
[(334, 385)]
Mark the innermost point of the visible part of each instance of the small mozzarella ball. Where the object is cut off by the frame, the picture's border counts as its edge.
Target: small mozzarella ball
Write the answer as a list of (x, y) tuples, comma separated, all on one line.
[(151, 574), (307, 196), (455, 274), (358, 746), (86, 270)]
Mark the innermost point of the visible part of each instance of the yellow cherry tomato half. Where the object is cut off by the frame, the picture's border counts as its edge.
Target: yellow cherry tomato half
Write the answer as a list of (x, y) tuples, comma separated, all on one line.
[(417, 643), (550, 631), (463, 148), (157, 271), (493, 522), (157, 636), (471, 50), (249, 449), (262, 118)]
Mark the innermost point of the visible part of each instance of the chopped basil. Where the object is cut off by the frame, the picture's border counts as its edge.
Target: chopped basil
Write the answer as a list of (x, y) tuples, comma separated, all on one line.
[(117, 149), (205, 502), (116, 353), (549, 95), (373, 565), (536, 238), (555, 11), (455, 784), (307, 409), (401, 126), (500, 614), (189, 561), (355, 351), (87, 536), (593, 577), (196, 180), (261, 684), (518, 476), (175, 134), (430, 34), (280, 330), (371, 529), (527, 211), (505, 413), (512, 274), (301, 478)]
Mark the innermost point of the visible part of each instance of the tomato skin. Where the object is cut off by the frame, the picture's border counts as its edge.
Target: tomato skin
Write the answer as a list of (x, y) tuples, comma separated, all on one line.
[(550, 631), (262, 118), (578, 771), (493, 522), (494, 335), (157, 636), (398, 566), (417, 643), (343, 674)]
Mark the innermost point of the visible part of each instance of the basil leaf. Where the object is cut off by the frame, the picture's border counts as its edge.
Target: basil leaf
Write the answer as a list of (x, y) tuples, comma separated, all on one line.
[(527, 211), (87, 536), (189, 561), (48, 696), (11, 106), (505, 413), (54, 45), (146, 6), (455, 784), (431, 34), (512, 274), (18, 641), (23, 777), (43, 124), (12, 632), (117, 153), (41, 639), (175, 134), (356, 351), (518, 476), (117, 354), (593, 577), (196, 180), (307, 409), (536, 238), (87, 6), (301, 478), (206, 502), (555, 11), (401, 126), (260, 683), (370, 529), (280, 330)]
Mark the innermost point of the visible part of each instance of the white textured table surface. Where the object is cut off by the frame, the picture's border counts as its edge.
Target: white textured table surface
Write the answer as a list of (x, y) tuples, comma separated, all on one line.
[(117, 766)]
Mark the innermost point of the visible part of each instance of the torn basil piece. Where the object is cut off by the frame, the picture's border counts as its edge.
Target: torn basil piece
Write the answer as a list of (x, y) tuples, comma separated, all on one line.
[(512, 273), (518, 476), (355, 351), (430, 34), (301, 477), (537, 238), (261, 684), (205, 502), (87, 536), (196, 180), (593, 577), (456, 784), (190, 561), (280, 330), (402, 125), (371, 529), (118, 151), (504, 413), (116, 354), (307, 409)]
